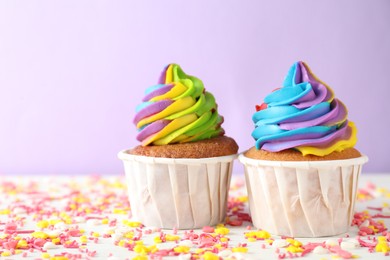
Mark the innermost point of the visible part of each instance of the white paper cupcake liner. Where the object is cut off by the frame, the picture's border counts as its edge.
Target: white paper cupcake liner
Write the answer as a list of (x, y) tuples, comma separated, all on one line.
[(302, 199), (178, 193)]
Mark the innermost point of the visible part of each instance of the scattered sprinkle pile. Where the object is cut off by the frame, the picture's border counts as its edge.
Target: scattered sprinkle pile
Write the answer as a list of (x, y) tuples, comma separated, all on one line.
[(90, 217)]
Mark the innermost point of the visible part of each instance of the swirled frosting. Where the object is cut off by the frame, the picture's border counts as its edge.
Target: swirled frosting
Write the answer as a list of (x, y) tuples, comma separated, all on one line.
[(177, 110), (303, 115)]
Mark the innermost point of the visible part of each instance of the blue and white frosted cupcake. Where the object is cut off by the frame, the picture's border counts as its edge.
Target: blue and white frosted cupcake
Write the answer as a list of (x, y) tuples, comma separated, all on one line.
[(302, 172)]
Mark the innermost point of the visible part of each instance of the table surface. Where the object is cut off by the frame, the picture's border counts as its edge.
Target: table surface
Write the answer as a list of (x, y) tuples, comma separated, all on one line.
[(89, 217)]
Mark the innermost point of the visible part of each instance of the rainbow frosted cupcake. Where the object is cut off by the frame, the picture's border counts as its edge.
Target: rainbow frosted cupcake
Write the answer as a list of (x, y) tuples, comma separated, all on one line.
[(303, 171), (179, 176)]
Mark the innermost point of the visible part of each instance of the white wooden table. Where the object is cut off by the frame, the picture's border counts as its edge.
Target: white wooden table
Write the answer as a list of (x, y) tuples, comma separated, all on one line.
[(46, 208)]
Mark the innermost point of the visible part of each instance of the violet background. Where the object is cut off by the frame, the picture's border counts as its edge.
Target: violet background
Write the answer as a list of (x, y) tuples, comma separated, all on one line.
[(72, 72)]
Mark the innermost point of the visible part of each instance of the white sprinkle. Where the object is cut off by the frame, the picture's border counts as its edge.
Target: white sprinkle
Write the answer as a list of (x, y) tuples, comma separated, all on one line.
[(53, 233), (116, 236), (185, 256), (225, 253), (187, 243), (279, 243), (60, 226), (238, 256), (350, 244), (319, 250), (331, 242), (49, 245), (365, 223)]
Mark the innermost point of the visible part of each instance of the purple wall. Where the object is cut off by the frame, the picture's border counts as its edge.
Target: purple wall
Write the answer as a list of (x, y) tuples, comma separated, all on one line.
[(71, 75)]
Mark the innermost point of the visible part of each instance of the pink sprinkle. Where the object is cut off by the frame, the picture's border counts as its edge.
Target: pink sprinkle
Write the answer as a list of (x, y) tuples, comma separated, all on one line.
[(39, 242), (24, 254), (74, 233), (208, 229), (263, 246), (340, 252), (10, 228), (248, 228)]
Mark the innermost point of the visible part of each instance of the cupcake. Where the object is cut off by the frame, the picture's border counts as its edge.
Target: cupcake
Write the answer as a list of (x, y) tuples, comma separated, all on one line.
[(302, 173), (179, 176)]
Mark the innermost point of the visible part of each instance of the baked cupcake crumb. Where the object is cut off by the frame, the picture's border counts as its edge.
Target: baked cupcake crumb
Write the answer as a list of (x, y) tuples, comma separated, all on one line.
[(294, 155), (214, 147)]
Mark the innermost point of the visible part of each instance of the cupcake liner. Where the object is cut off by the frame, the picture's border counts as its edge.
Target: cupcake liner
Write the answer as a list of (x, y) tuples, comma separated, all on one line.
[(178, 193), (302, 199)]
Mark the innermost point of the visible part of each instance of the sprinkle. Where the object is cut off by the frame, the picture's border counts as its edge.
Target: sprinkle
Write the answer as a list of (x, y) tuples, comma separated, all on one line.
[(210, 256), (279, 243), (222, 230), (208, 229), (49, 245), (181, 249), (320, 250)]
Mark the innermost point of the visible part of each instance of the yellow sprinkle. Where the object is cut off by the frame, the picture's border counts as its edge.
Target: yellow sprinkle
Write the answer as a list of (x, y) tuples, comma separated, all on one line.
[(181, 249), (252, 239), (224, 239), (171, 237), (131, 223), (17, 251), (54, 221), (5, 211), (59, 258), (82, 231), (22, 244), (45, 255), (153, 249), (220, 225), (140, 257), (39, 234), (95, 234), (294, 242), (382, 247), (6, 253), (122, 243), (222, 231), (129, 235), (120, 211), (139, 242), (219, 246), (210, 256), (294, 249), (105, 221), (56, 240), (140, 249), (382, 239), (269, 241), (199, 250), (240, 249), (243, 199), (157, 240), (83, 239), (43, 224)]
